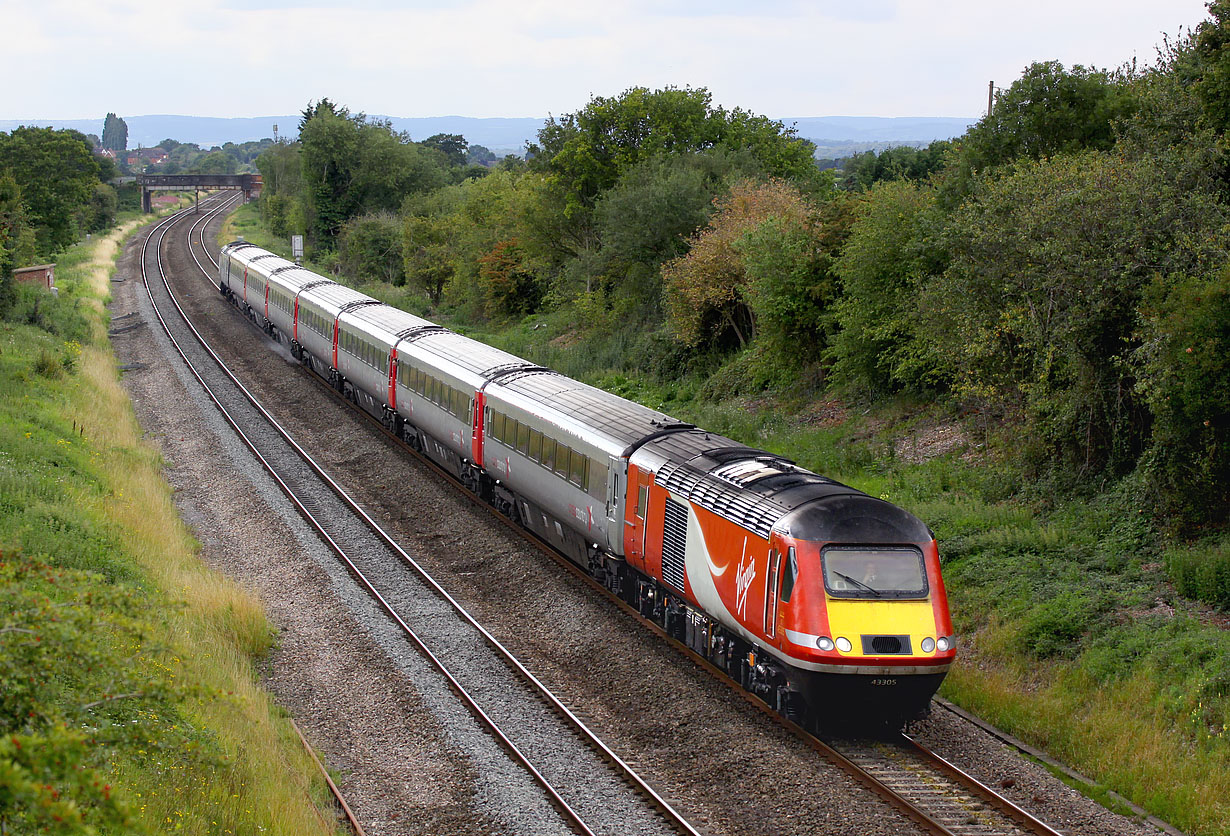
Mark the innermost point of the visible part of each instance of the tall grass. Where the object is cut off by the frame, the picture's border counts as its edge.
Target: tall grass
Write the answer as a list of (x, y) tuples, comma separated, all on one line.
[(82, 490)]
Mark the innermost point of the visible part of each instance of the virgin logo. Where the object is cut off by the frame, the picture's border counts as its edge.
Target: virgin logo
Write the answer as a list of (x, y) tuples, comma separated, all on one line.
[(743, 581)]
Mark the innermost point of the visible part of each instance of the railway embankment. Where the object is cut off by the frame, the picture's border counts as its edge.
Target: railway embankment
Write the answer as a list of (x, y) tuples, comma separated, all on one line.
[(128, 700), (1073, 635)]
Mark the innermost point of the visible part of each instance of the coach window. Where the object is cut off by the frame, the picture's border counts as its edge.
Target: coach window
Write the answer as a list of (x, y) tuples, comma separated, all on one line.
[(536, 445), (497, 425), (548, 453), (523, 439), (562, 454), (576, 471), (597, 479)]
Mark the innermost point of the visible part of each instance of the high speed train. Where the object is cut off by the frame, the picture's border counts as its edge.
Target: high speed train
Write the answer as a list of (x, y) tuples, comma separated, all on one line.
[(826, 602)]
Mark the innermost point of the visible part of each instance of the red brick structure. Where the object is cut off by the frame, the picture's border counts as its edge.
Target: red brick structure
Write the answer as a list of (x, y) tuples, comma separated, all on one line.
[(42, 274)]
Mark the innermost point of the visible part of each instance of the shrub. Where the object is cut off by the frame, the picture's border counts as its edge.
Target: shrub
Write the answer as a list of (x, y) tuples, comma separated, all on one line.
[(1055, 627), (1185, 380), (1202, 573), (371, 249)]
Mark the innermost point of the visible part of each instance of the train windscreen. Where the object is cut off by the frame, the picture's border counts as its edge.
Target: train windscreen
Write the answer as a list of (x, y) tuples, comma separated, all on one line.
[(858, 572)]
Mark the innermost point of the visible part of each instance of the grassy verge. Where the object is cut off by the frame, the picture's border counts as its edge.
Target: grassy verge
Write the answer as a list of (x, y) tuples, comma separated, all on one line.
[(128, 702)]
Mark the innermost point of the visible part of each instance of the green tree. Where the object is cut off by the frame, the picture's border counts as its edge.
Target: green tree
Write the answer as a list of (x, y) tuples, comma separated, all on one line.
[(862, 171), (1039, 309), (17, 246), (102, 209), (370, 248), (1208, 65), (115, 134), (429, 248), (586, 151), (892, 253), (792, 286), (707, 290), (452, 146), (1047, 111), (1185, 379), (281, 169), (480, 155), (57, 172), (352, 165), (215, 162)]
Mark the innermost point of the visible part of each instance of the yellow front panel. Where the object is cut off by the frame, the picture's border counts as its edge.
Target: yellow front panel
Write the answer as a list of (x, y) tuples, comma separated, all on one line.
[(853, 619)]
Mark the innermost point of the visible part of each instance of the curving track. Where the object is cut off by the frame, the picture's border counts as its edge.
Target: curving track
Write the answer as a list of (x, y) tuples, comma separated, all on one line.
[(590, 786)]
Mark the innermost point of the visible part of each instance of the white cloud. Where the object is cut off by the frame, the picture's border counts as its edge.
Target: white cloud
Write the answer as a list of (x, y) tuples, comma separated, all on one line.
[(495, 58)]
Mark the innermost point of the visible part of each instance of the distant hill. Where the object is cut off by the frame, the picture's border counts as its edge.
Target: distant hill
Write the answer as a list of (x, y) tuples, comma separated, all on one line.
[(840, 129), (506, 135)]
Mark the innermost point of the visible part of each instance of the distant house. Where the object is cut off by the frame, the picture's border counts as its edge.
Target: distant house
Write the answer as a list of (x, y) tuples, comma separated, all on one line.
[(148, 156), (41, 274)]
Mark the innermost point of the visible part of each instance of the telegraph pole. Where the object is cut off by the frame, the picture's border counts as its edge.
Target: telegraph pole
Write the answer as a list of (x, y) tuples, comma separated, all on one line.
[(990, 96)]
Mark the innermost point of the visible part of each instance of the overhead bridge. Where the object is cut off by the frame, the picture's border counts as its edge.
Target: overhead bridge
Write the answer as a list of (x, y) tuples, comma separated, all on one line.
[(249, 184)]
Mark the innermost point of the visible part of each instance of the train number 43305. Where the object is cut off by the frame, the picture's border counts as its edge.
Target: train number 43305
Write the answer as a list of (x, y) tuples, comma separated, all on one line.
[(883, 682)]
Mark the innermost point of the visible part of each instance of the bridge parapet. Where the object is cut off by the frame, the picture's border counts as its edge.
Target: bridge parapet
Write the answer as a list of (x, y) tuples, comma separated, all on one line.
[(249, 184)]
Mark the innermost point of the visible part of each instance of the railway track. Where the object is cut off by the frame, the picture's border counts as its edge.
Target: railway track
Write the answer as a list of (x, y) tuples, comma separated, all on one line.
[(935, 795), (589, 786), (943, 798)]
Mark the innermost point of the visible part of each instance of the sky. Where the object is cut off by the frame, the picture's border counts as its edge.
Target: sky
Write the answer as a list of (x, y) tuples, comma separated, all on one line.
[(483, 58)]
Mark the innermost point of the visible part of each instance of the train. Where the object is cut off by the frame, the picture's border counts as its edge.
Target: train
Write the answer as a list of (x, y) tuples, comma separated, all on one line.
[(824, 601)]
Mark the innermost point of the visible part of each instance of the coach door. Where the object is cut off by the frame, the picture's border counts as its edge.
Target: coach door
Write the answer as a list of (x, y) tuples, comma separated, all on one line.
[(771, 581), (636, 511)]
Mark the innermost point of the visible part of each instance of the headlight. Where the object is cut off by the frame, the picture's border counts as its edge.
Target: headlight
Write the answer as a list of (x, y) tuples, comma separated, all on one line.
[(928, 644), (824, 643), (944, 643), (843, 644)]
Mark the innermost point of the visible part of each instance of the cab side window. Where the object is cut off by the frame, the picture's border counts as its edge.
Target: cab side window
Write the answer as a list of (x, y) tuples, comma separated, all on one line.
[(791, 574)]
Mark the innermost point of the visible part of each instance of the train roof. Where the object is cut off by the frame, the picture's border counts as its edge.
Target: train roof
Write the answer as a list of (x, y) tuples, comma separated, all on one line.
[(291, 276), (762, 492), (627, 423), (393, 321), (475, 357), (333, 297)]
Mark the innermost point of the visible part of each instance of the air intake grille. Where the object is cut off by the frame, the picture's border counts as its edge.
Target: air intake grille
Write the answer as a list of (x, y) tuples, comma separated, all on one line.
[(886, 645), (674, 543), (722, 498)]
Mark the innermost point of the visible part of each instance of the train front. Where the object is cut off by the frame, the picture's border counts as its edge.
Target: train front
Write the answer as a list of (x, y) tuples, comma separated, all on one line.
[(866, 621)]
